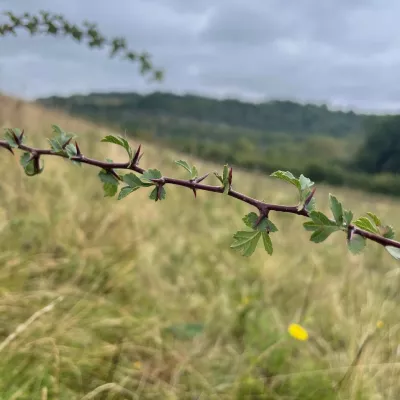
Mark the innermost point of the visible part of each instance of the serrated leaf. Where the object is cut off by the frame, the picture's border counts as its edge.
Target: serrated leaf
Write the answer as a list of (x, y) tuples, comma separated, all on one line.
[(246, 242), (56, 145), (305, 183), (323, 233), (321, 219), (388, 232), (347, 217), (267, 243), (150, 174), (356, 244), (155, 196), (125, 191), (375, 218), (107, 177), (336, 208), (162, 194), (185, 331), (119, 140), (134, 181), (110, 189), (29, 165), (265, 225), (288, 177), (393, 251), (185, 165), (366, 224)]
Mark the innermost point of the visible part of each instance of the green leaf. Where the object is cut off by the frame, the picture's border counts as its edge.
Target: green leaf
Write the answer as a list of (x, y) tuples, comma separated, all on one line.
[(150, 174), (194, 173), (336, 208), (320, 218), (110, 189), (185, 331), (192, 170), (311, 205), (265, 225), (134, 181), (321, 226), (119, 140), (155, 196), (288, 177), (356, 244), (347, 217), (393, 251), (185, 165), (107, 177), (246, 242), (375, 218), (29, 165), (388, 232), (126, 190), (110, 183), (305, 183), (267, 243), (366, 224), (219, 177), (323, 233)]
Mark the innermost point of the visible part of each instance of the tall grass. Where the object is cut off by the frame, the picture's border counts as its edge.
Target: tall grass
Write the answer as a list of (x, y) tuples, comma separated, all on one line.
[(130, 271)]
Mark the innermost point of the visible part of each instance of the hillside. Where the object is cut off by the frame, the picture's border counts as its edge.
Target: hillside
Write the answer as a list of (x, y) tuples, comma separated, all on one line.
[(133, 273), (274, 117), (266, 137)]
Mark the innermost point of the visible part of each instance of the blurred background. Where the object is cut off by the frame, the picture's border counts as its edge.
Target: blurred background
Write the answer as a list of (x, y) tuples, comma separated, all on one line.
[(155, 303)]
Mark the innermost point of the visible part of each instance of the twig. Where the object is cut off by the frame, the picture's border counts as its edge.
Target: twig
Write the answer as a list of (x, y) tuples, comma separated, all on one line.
[(264, 208)]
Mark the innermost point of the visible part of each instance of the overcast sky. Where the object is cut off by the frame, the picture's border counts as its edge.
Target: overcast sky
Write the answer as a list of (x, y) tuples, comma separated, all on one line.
[(345, 53)]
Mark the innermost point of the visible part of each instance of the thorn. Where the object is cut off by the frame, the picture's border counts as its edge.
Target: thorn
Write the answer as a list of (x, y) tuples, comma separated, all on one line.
[(66, 143), (78, 150), (159, 192), (16, 138), (195, 193), (112, 172), (21, 136), (230, 176), (136, 158), (309, 197), (198, 180)]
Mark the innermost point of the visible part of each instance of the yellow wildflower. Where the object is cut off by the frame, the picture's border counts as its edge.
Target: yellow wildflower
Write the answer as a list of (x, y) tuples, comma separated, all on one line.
[(298, 332), (137, 365), (379, 324), (245, 301)]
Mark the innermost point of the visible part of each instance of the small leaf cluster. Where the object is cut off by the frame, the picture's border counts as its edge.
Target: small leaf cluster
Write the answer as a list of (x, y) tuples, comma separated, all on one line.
[(246, 241), (133, 182), (56, 24), (304, 186)]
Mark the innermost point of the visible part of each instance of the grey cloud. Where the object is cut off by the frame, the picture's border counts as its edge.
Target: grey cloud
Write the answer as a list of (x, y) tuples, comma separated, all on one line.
[(341, 52)]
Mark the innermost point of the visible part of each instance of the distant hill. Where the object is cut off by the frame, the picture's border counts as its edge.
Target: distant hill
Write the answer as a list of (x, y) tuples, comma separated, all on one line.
[(258, 121)]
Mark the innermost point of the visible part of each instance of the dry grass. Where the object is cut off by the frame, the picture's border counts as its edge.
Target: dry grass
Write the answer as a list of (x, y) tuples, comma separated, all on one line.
[(129, 269)]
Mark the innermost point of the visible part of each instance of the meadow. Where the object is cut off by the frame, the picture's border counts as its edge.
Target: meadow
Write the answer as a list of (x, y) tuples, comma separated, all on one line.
[(147, 300)]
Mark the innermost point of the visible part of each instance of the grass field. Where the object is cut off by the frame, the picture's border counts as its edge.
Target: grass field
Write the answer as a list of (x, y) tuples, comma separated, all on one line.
[(131, 273)]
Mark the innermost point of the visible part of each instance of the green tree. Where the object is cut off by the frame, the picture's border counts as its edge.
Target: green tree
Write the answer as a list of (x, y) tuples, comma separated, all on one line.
[(381, 149)]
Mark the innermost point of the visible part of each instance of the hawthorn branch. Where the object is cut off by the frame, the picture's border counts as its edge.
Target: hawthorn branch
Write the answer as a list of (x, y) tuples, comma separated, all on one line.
[(195, 184)]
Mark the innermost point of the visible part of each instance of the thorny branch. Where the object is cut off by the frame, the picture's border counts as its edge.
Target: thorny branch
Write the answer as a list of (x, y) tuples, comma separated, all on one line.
[(193, 184)]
